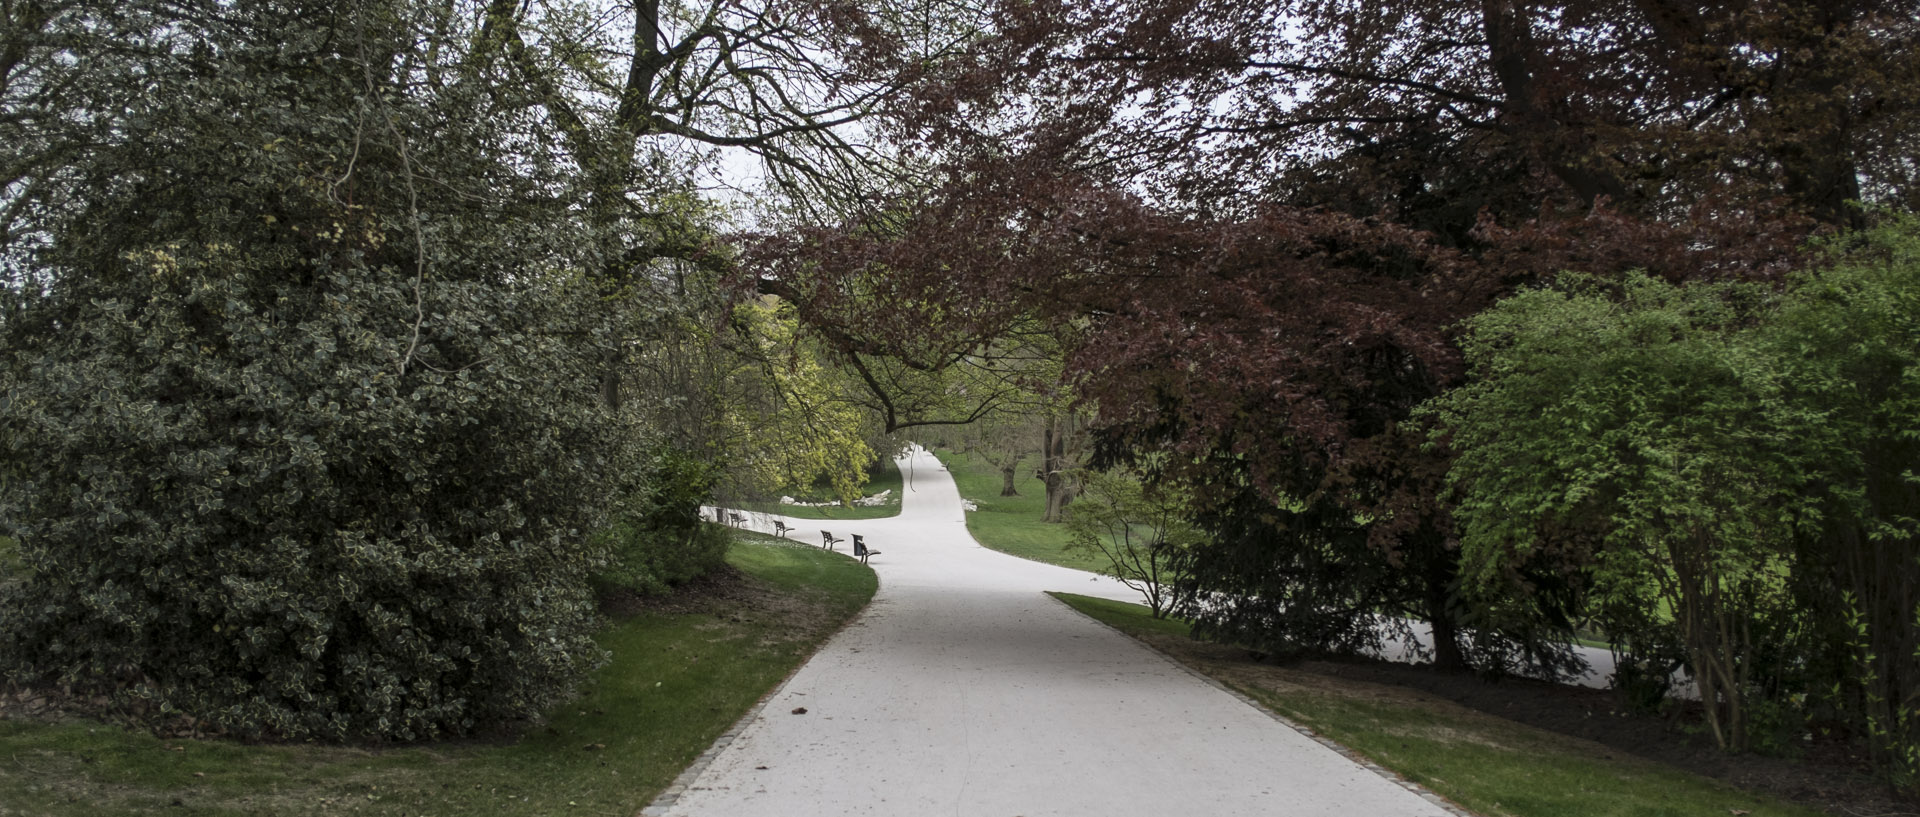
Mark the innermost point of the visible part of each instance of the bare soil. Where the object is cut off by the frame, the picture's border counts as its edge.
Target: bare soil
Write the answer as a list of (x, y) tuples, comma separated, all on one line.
[(733, 597), (1825, 774), (720, 589)]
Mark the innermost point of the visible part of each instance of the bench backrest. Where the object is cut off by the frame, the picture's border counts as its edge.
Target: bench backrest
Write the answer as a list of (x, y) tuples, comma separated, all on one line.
[(859, 545)]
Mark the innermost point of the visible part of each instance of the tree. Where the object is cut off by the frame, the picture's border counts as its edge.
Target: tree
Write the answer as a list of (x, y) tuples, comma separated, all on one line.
[(805, 429), (1004, 442), (1728, 461), (1060, 447), (1140, 532), (301, 439), (1653, 106), (1257, 226), (1847, 342), (1630, 436)]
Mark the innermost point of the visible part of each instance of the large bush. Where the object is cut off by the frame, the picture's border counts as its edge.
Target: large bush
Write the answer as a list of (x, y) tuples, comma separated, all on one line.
[(301, 432), (1724, 469)]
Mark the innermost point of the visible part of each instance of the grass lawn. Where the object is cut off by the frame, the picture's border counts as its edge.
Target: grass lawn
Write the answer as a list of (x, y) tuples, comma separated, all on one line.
[(1490, 765), (675, 682), (1011, 524), (884, 478)]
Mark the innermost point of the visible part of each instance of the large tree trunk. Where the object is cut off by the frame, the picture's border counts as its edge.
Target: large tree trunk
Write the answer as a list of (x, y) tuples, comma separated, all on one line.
[(1439, 579), (1511, 51), (1054, 468), (1006, 478), (1446, 638)]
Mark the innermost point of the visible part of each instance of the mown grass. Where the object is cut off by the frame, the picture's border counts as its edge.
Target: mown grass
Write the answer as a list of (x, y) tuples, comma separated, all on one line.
[(885, 477), (1490, 765), (1011, 524), (674, 684)]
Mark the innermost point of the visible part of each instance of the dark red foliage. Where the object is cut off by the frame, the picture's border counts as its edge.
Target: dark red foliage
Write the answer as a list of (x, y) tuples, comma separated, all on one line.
[(1253, 226)]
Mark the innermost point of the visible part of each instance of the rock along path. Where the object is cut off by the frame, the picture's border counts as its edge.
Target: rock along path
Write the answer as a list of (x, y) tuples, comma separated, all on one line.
[(964, 690)]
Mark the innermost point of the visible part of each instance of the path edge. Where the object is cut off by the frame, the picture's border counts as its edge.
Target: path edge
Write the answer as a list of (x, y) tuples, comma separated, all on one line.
[(670, 796), (1363, 761)]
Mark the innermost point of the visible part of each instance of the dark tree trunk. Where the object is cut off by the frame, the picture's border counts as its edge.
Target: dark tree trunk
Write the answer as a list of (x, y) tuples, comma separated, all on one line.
[(1446, 640), (1439, 579), (1006, 478), (1054, 468)]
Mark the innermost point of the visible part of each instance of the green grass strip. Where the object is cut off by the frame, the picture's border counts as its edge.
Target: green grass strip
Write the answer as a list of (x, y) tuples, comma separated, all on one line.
[(1011, 524), (674, 684), (1490, 765)]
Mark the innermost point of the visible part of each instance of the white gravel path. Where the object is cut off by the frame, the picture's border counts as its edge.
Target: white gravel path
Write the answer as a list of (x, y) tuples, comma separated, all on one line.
[(964, 690)]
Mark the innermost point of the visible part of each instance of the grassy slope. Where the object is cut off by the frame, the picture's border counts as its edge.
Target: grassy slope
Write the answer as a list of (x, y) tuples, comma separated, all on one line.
[(676, 681), (1490, 765), (1011, 524), (887, 478)]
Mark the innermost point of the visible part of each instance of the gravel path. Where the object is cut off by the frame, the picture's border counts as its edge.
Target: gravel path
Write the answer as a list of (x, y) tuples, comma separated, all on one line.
[(964, 690)]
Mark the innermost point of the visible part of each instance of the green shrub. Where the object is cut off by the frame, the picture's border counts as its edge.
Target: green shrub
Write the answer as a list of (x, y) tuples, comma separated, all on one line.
[(292, 440), (661, 541), (260, 524)]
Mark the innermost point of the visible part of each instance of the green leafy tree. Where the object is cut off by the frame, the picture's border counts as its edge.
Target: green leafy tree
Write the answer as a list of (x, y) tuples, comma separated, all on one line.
[(1722, 462), (805, 429), (1141, 531), (1847, 339), (1004, 442), (1634, 434)]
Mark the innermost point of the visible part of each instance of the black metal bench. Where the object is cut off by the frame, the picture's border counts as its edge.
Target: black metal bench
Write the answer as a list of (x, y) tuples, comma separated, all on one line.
[(735, 519), (827, 540), (780, 529), (860, 549)]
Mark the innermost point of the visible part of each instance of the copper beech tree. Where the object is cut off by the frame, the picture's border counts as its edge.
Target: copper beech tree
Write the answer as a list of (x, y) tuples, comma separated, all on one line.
[(1256, 226)]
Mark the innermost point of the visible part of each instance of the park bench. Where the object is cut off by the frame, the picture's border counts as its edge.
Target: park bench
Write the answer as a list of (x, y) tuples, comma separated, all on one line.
[(860, 549), (735, 519), (827, 540), (780, 529)]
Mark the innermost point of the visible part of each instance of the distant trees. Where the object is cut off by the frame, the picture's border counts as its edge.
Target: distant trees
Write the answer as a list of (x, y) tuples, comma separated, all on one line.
[(1004, 442)]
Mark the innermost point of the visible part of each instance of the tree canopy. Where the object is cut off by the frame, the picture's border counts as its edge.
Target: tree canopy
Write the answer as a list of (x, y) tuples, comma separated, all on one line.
[(1261, 225)]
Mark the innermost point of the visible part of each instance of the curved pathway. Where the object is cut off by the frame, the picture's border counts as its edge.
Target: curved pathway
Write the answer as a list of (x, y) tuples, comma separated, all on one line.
[(964, 690)]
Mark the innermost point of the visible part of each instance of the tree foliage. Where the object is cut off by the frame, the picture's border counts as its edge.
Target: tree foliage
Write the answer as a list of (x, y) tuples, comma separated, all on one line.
[(1141, 533), (300, 435), (1256, 226), (1847, 340), (1716, 461), (805, 429), (1634, 437)]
